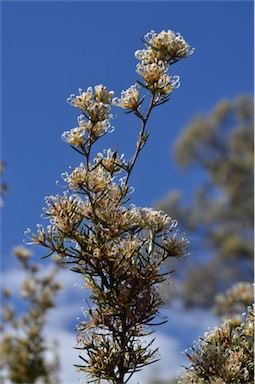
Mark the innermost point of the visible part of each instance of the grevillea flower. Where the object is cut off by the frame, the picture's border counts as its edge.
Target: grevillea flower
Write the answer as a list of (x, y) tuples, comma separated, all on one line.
[(151, 73), (76, 136), (111, 161), (168, 45), (64, 211), (96, 104), (102, 94), (95, 180), (87, 130), (83, 100), (129, 98), (148, 55), (166, 84)]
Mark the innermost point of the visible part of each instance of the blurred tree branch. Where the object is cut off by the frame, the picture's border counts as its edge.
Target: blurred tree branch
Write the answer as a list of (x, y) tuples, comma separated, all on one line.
[(219, 219)]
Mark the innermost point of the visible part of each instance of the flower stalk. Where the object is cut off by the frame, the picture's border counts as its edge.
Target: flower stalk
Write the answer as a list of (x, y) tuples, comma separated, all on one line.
[(118, 249)]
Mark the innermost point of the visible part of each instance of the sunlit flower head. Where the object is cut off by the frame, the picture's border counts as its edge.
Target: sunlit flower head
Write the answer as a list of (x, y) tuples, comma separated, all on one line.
[(64, 211), (33, 238), (129, 98), (168, 45), (86, 130), (76, 178), (76, 136), (127, 247), (155, 220), (96, 180), (95, 103), (151, 73), (166, 84), (148, 55), (111, 161), (176, 246), (102, 94), (102, 127), (83, 100), (99, 180), (149, 218), (99, 111)]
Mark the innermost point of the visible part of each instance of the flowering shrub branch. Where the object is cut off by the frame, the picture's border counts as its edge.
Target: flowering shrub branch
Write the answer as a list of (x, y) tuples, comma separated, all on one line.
[(118, 249), (226, 354)]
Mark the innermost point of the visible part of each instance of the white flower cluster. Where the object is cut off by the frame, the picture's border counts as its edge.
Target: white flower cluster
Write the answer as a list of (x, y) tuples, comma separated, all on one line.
[(150, 219), (162, 50), (129, 98), (75, 136), (65, 211), (95, 180), (127, 246), (224, 355), (168, 44), (111, 161), (94, 102), (95, 105)]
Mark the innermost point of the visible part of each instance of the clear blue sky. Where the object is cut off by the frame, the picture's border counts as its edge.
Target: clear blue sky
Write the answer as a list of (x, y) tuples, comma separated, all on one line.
[(50, 49)]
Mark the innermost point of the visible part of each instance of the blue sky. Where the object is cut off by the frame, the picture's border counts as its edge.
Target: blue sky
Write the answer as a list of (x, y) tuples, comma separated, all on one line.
[(50, 49)]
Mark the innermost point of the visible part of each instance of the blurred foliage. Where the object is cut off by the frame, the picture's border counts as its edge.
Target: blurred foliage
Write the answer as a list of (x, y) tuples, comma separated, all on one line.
[(219, 217), (234, 302), (225, 354), (163, 382), (3, 186), (26, 357)]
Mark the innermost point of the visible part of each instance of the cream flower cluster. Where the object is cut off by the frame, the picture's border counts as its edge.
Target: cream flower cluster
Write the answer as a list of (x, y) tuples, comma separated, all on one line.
[(28, 288), (150, 219), (95, 105), (111, 161), (162, 50), (156, 77), (67, 213), (168, 45), (94, 102), (64, 211), (122, 219), (75, 136), (176, 246), (129, 98), (166, 84), (224, 355), (126, 247), (95, 180)]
